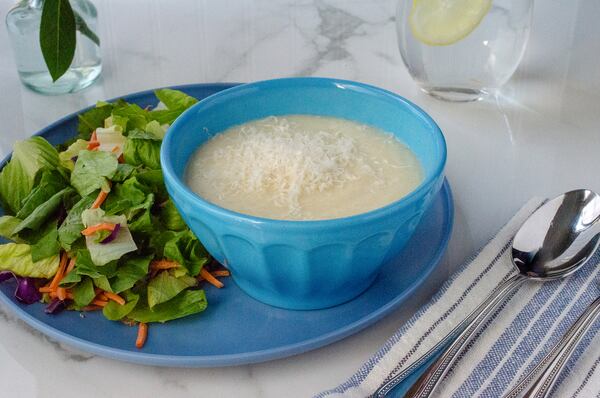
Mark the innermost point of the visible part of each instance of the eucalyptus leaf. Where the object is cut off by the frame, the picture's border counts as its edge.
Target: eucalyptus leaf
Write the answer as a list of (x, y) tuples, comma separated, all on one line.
[(57, 36)]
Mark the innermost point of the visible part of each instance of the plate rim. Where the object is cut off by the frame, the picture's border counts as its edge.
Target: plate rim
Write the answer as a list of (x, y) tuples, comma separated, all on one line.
[(197, 361)]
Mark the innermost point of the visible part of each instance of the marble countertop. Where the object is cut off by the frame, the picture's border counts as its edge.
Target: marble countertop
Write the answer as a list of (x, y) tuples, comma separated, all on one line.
[(539, 137)]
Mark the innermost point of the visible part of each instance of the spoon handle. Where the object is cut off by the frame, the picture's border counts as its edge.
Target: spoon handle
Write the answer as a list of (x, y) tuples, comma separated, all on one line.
[(558, 356), (427, 383)]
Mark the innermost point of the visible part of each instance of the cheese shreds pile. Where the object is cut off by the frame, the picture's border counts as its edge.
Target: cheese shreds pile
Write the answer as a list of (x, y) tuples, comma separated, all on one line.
[(285, 161)]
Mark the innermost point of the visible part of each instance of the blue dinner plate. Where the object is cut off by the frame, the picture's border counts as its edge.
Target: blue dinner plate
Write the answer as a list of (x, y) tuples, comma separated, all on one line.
[(236, 329)]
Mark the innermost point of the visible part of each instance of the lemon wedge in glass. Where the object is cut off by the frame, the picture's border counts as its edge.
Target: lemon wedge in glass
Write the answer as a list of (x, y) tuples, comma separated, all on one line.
[(445, 22)]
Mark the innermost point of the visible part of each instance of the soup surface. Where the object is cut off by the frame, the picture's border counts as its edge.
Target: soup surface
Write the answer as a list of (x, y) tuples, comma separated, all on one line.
[(303, 167)]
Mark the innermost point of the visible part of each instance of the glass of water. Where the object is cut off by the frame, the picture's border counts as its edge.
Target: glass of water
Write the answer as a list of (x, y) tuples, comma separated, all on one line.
[(470, 67)]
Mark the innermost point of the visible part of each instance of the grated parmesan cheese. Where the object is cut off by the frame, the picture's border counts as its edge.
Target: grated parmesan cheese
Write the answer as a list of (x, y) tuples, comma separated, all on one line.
[(284, 161)]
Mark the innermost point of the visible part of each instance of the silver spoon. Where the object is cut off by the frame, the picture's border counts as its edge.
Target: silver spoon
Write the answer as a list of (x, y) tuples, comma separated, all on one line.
[(553, 363), (555, 241)]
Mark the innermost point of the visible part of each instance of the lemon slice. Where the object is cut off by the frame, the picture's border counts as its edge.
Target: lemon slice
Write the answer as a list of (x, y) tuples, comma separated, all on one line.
[(444, 22)]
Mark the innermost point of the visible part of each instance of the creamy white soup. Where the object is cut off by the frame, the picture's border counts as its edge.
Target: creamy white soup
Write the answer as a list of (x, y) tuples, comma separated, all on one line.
[(302, 167)]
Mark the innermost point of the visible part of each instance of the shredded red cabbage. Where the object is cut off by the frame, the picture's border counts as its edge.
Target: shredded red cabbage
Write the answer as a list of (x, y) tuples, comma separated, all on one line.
[(26, 291), (55, 306), (112, 235)]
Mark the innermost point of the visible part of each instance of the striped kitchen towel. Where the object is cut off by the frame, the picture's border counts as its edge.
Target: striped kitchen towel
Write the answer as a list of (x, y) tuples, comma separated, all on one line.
[(518, 336)]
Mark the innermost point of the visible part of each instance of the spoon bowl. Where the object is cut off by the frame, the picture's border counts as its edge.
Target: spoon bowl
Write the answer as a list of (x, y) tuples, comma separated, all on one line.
[(559, 237)]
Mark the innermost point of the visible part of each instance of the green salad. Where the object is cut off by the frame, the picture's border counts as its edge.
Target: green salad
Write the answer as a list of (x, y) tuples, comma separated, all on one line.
[(91, 225)]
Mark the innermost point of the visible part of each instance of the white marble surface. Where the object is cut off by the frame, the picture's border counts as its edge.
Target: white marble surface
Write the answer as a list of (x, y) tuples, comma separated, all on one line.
[(541, 137)]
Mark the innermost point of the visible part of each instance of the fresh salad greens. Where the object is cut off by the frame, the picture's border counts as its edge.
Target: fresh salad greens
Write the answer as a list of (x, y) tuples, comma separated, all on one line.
[(91, 223)]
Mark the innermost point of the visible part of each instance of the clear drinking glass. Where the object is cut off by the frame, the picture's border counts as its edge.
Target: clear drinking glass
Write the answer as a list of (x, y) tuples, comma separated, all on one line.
[(23, 25), (476, 65)]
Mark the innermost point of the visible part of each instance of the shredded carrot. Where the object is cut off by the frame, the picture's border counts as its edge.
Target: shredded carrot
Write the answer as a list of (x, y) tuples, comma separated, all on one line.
[(71, 265), (164, 264), (101, 296), (100, 303), (100, 199), (60, 272), (210, 279), (61, 293), (45, 289), (105, 226), (221, 272), (115, 297), (93, 145), (116, 149), (142, 335), (62, 296), (91, 308)]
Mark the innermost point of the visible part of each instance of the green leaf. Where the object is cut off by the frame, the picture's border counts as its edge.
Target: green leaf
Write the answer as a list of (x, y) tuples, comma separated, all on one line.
[(103, 283), (125, 196), (187, 251), (156, 129), (7, 226), (114, 311), (170, 217), (44, 211), (70, 230), (164, 287), (102, 254), (92, 119), (136, 117), (18, 176), (47, 245), (57, 36), (92, 170), (186, 303), (16, 257), (70, 278), (133, 270), (142, 149), (83, 292), (85, 266), (82, 27), (174, 99), (124, 171), (50, 183), (66, 156)]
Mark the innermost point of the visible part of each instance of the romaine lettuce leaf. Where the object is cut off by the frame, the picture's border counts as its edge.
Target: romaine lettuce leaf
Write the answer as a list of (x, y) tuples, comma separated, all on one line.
[(18, 176), (66, 156), (43, 212), (132, 270), (92, 119), (175, 101), (70, 229), (100, 253), (136, 117), (47, 245), (185, 248), (125, 196), (16, 257), (83, 292), (164, 287), (92, 170), (114, 311), (170, 217), (157, 129), (186, 303), (142, 149), (50, 183), (7, 226)]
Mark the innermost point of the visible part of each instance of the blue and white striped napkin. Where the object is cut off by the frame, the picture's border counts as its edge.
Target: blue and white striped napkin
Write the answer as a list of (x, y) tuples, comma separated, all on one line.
[(518, 336)]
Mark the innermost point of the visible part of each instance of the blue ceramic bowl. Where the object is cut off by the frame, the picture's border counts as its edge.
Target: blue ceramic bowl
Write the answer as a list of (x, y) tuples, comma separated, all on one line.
[(304, 264)]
